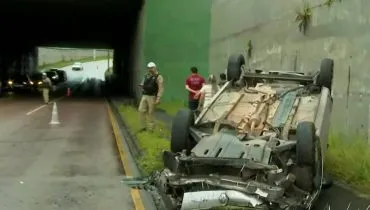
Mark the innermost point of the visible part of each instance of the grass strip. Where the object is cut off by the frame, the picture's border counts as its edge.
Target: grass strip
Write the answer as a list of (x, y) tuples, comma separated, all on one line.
[(348, 160), (63, 63), (151, 144)]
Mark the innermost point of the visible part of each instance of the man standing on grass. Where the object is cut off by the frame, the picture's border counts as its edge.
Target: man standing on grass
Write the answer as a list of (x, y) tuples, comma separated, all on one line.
[(46, 86), (152, 89), (193, 84)]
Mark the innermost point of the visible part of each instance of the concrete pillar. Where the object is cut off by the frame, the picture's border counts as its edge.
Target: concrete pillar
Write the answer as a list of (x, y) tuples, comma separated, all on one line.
[(137, 54)]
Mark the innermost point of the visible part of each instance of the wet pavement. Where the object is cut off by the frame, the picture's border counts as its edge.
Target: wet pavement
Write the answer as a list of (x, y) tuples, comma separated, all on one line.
[(74, 165)]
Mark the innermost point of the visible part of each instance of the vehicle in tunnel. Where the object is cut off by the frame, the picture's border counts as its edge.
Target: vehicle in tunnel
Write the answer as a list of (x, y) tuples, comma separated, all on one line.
[(23, 82), (77, 66), (62, 75), (259, 144), (53, 76)]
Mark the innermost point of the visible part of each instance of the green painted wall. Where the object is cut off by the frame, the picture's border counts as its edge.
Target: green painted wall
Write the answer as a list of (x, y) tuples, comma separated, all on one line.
[(176, 37)]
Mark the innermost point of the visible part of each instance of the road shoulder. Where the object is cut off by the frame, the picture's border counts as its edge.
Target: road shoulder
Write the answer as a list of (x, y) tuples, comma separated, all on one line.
[(142, 199)]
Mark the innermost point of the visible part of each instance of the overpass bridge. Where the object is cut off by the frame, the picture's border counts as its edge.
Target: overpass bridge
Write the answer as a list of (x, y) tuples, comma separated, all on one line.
[(26, 24)]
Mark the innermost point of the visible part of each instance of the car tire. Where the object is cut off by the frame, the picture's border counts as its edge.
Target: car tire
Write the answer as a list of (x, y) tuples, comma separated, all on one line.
[(325, 77), (327, 182), (305, 148), (234, 67), (304, 177), (180, 134)]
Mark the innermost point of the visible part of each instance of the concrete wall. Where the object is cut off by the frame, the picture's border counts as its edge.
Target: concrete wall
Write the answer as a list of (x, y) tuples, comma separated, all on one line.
[(52, 55), (341, 32)]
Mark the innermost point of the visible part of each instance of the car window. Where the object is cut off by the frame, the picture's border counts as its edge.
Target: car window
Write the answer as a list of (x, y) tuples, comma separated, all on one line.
[(36, 76), (19, 77)]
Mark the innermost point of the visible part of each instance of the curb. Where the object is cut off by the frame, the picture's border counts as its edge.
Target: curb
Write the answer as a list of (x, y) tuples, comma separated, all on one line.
[(130, 138), (142, 200)]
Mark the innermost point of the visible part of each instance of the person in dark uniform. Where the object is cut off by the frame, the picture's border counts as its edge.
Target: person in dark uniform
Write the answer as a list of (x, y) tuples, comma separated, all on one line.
[(152, 89)]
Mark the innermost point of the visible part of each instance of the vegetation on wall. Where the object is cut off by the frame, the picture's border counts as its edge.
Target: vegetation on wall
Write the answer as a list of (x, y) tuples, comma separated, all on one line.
[(304, 14), (249, 49)]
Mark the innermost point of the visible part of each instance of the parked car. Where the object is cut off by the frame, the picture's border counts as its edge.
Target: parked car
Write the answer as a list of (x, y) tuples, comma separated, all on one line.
[(77, 66), (62, 75), (260, 143), (23, 82)]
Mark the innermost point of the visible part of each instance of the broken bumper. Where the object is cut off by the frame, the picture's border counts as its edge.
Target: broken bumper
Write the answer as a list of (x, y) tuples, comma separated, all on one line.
[(218, 198)]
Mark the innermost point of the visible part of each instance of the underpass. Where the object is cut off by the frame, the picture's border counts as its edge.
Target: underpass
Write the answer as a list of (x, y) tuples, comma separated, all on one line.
[(95, 24)]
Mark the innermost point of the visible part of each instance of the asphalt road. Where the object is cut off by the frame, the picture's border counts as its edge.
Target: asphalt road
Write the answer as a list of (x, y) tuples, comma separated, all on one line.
[(89, 81), (71, 166), (94, 69)]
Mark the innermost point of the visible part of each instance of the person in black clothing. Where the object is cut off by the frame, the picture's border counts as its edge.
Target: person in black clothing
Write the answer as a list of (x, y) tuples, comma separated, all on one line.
[(152, 89)]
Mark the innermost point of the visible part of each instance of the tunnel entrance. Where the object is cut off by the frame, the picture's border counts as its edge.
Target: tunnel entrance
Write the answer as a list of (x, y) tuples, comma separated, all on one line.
[(110, 24)]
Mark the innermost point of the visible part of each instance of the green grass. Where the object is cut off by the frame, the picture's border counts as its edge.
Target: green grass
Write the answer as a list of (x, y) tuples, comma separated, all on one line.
[(151, 144), (172, 107), (62, 63), (348, 160)]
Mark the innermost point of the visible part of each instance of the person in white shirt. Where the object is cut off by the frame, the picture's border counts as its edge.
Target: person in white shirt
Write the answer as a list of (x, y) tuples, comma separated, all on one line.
[(207, 92)]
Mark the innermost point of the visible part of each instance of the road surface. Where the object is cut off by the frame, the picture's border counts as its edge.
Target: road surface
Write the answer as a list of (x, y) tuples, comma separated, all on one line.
[(71, 166), (89, 81), (94, 69)]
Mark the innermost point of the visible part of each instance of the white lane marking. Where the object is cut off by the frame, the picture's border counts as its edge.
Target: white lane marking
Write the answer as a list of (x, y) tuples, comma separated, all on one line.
[(42, 106), (35, 110)]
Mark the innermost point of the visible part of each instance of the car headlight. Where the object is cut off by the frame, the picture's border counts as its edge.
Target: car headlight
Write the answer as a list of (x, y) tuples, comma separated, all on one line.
[(10, 82)]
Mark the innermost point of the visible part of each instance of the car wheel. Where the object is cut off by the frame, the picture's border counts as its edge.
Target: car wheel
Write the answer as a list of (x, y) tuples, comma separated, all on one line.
[(304, 177), (305, 148), (327, 181), (234, 67), (180, 135), (325, 77)]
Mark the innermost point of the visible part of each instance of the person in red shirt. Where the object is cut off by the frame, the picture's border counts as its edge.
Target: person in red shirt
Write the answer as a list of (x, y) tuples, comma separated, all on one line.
[(193, 84)]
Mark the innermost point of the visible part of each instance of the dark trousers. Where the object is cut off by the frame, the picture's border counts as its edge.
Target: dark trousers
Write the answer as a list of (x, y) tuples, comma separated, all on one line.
[(193, 104)]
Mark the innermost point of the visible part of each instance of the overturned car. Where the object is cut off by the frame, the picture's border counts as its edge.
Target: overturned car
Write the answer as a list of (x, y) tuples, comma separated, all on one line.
[(259, 144)]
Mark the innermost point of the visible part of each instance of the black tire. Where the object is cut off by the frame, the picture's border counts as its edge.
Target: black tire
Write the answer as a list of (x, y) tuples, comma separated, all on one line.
[(234, 65), (180, 131), (325, 77), (327, 182), (304, 177), (305, 148)]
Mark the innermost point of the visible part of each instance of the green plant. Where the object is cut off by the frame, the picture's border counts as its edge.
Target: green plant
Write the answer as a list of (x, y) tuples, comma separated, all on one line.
[(304, 15), (249, 49), (303, 18)]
